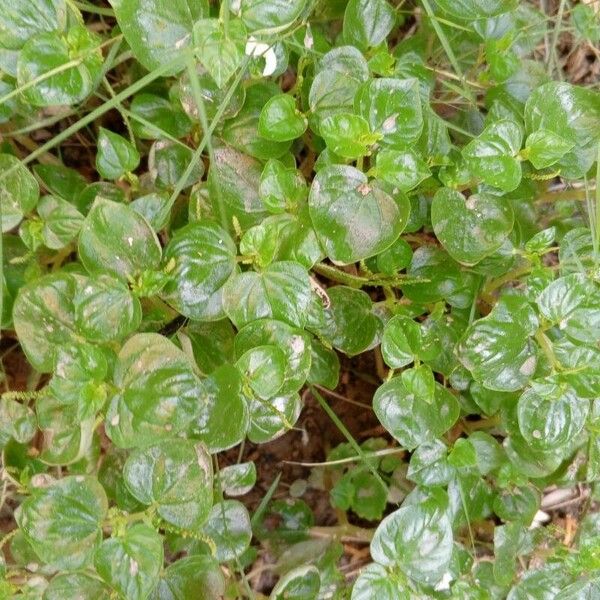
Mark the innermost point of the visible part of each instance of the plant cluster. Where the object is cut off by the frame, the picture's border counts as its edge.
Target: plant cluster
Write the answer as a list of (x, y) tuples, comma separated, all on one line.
[(274, 184)]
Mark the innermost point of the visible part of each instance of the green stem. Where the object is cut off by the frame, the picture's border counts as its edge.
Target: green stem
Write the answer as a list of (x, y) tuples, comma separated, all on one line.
[(546, 346), (356, 281), (199, 99), (57, 70), (447, 48), (344, 431), (97, 113), (346, 531), (198, 152), (494, 284)]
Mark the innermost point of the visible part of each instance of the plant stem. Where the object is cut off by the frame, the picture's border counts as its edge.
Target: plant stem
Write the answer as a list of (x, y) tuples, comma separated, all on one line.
[(356, 281), (345, 532), (344, 431)]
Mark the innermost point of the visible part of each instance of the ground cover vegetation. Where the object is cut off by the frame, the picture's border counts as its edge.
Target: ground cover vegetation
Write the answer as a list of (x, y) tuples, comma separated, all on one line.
[(300, 299)]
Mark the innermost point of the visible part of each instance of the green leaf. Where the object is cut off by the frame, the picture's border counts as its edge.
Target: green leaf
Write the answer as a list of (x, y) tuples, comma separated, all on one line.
[(17, 421), (571, 113), (263, 368), (215, 99), (491, 156), (301, 583), (65, 585), (229, 527), (294, 343), (243, 132), (223, 420), (271, 419), (271, 16), (420, 382), (324, 366), (376, 581), (544, 148), (187, 577), (117, 240), (349, 323), (404, 169), (470, 228), (212, 343), (167, 163), (282, 188), (404, 341), (444, 280), (67, 430), (19, 191), (131, 564), (158, 394), (280, 120), (417, 539), (48, 51), (220, 51), (176, 476), (62, 221), (411, 419), (498, 349), (507, 543), (63, 521), (347, 135), (544, 583), (238, 479), (339, 75), (154, 208), (354, 218), (116, 155), (234, 178), (429, 465), (551, 415), (469, 10), (367, 23), (25, 20), (392, 108), (204, 258), (572, 303), (158, 32), (62, 310), (282, 291), (161, 116)]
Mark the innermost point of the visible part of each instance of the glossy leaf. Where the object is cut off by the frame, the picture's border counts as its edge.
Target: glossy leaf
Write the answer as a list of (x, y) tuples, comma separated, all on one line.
[(282, 291), (62, 522), (158, 393), (498, 349), (470, 228), (204, 258), (418, 539), (491, 156), (116, 155), (46, 52), (19, 191), (229, 527), (573, 114), (354, 218), (115, 239), (392, 107), (176, 476), (157, 32), (367, 22), (280, 120), (411, 419), (131, 564), (220, 51)]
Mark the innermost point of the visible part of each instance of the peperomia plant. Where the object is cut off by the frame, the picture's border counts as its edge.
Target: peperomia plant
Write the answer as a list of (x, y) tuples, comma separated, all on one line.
[(209, 209)]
